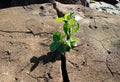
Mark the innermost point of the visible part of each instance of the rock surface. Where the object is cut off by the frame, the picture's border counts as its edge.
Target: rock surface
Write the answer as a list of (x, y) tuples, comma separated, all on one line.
[(26, 33), (106, 7)]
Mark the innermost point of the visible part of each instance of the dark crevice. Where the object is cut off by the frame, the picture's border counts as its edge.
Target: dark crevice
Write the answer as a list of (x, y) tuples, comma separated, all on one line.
[(49, 75), (44, 44), (116, 73), (42, 7), (16, 79), (109, 52), (23, 68), (63, 68), (75, 65), (29, 32), (107, 65), (93, 27), (46, 79), (51, 57), (59, 13), (110, 70), (32, 76)]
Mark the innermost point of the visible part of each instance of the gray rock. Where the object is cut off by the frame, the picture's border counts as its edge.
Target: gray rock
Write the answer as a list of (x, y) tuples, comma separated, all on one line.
[(105, 7)]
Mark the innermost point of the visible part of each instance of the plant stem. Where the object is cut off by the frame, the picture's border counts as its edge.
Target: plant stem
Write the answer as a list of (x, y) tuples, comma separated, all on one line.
[(63, 68)]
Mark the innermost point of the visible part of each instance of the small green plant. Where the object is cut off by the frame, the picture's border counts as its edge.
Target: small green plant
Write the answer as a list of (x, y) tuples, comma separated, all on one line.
[(64, 42)]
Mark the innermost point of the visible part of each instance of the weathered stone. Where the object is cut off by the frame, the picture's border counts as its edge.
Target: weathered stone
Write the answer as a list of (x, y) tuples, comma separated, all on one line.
[(25, 37)]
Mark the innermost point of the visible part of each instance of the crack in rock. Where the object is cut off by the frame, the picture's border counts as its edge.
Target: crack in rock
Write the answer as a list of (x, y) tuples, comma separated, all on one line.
[(16, 32), (59, 13), (74, 64)]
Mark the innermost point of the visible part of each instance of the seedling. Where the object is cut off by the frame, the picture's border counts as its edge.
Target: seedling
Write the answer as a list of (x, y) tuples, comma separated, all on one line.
[(63, 42)]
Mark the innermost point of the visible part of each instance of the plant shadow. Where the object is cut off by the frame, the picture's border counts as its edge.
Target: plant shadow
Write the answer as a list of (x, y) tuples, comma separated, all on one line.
[(50, 57)]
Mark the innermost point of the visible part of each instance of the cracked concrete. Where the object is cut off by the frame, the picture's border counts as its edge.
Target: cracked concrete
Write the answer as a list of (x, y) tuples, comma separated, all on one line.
[(25, 36)]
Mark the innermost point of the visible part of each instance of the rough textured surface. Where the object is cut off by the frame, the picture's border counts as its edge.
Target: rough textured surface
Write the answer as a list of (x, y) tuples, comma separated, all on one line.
[(25, 35), (111, 8)]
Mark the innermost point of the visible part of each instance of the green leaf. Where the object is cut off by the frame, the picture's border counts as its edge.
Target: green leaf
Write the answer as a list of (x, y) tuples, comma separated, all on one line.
[(59, 19), (57, 36), (74, 39), (54, 46), (75, 29), (71, 22), (65, 28), (67, 16), (62, 48), (68, 43), (74, 42), (62, 43)]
